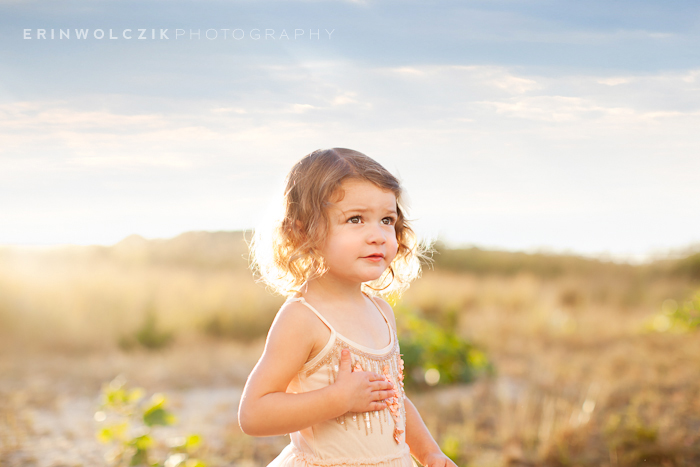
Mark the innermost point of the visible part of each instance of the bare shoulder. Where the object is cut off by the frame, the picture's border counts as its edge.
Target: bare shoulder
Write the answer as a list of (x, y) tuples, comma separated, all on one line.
[(293, 312), (388, 311), (295, 319), (296, 324), (293, 337)]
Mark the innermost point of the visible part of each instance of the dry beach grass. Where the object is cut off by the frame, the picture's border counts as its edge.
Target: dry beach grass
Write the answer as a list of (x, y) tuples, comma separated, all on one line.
[(581, 379)]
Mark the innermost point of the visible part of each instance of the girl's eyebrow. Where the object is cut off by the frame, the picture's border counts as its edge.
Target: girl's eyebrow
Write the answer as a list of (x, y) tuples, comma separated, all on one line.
[(392, 210)]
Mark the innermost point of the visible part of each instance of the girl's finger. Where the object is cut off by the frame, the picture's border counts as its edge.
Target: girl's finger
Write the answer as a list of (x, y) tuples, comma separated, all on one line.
[(377, 386), (345, 364), (377, 406), (379, 379), (381, 385)]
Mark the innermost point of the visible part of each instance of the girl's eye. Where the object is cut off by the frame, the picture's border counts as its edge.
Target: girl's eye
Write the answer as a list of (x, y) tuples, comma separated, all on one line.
[(354, 220), (388, 221)]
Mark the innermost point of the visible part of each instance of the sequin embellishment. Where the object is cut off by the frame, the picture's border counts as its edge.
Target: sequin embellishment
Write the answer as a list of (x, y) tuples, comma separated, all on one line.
[(391, 370), (388, 364)]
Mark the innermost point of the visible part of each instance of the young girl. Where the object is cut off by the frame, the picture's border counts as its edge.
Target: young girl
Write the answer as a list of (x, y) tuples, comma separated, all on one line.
[(331, 373)]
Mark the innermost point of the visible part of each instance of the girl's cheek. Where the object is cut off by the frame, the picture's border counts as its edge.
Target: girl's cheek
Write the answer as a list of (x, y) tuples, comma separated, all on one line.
[(395, 247)]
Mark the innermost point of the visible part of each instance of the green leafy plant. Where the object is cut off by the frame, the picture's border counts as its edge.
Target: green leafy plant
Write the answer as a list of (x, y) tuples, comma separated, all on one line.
[(127, 421), (676, 318), (436, 355)]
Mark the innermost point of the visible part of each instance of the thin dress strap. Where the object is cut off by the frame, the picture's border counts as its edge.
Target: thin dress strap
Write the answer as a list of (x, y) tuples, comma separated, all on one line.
[(308, 305), (391, 329)]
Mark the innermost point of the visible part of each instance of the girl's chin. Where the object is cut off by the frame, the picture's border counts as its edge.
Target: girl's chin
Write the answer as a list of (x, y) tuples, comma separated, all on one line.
[(360, 276), (364, 279)]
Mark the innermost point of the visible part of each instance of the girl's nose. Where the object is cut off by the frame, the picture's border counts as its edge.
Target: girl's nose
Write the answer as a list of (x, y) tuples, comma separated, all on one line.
[(376, 234)]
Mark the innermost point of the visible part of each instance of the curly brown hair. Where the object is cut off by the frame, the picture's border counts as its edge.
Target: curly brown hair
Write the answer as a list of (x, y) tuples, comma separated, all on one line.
[(290, 256)]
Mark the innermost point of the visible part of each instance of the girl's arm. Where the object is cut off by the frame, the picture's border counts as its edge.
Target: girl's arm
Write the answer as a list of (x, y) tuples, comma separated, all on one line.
[(423, 446), (267, 409)]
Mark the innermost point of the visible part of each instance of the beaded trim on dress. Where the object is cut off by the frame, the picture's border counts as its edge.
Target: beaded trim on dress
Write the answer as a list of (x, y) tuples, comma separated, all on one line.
[(389, 364)]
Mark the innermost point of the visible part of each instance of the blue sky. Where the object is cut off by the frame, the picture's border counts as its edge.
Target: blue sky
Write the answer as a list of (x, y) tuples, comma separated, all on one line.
[(523, 125)]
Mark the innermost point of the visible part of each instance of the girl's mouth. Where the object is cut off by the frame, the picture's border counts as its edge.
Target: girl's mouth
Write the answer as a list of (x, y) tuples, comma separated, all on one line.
[(375, 257)]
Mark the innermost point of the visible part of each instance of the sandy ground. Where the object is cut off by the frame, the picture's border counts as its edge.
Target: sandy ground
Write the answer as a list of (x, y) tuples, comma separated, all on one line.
[(64, 435), (48, 401)]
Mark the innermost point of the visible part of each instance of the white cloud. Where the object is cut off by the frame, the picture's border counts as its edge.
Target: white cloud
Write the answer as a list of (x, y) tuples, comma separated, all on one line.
[(346, 98), (615, 81), (460, 75), (549, 108), (301, 108), (502, 144)]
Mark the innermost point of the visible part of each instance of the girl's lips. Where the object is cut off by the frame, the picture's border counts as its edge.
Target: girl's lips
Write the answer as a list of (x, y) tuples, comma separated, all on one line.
[(375, 257)]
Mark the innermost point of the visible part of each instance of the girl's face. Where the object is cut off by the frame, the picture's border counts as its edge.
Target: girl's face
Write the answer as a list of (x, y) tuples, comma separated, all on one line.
[(361, 241)]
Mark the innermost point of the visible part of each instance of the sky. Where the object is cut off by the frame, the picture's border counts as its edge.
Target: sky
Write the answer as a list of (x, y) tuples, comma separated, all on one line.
[(513, 124)]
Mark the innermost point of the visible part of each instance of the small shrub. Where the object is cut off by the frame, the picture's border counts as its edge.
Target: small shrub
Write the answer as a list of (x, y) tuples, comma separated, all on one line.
[(148, 335), (435, 355), (128, 422), (676, 318)]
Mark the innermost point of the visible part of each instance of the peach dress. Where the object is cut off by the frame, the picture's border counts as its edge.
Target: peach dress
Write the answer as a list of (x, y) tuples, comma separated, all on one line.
[(355, 439)]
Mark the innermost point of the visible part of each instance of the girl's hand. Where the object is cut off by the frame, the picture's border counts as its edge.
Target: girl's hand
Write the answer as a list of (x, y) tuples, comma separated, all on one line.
[(438, 460), (361, 391)]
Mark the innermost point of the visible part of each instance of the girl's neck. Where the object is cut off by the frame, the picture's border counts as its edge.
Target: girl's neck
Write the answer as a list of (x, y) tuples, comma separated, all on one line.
[(328, 290)]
